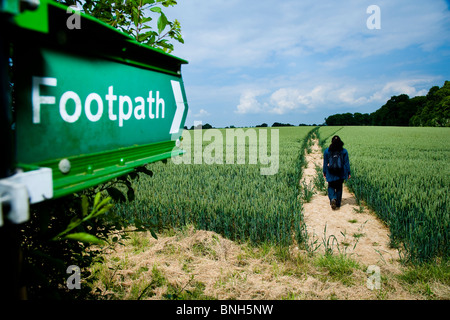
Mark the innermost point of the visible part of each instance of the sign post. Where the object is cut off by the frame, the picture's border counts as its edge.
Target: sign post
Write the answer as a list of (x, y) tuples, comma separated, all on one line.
[(10, 261), (89, 104)]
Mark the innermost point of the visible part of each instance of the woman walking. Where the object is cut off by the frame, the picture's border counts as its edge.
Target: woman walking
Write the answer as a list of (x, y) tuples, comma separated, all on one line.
[(336, 169)]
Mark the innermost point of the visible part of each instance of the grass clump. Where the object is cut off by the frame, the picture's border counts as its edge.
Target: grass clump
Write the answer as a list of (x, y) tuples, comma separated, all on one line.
[(429, 279), (339, 267)]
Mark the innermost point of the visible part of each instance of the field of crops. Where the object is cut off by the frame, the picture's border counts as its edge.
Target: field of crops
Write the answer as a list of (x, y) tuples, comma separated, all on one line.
[(404, 175), (235, 200)]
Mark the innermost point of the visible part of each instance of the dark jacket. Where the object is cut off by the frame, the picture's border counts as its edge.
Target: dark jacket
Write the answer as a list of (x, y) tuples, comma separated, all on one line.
[(330, 177)]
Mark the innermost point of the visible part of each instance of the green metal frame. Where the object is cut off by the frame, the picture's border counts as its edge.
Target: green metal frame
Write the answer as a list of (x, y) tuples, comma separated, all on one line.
[(90, 170)]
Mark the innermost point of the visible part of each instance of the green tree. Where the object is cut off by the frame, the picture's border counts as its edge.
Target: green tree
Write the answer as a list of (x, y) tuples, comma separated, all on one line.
[(142, 19), (391, 114), (361, 119), (435, 110), (432, 110)]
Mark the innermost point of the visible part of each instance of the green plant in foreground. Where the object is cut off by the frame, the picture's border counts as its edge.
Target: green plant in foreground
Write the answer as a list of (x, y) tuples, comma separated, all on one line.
[(195, 291), (340, 267), (420, 277), (74, 230), (100, 206), (307, 192), (319, 181)]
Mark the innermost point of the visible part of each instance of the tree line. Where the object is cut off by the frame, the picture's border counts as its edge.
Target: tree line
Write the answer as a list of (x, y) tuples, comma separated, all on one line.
[(432, 110), (263, 125)]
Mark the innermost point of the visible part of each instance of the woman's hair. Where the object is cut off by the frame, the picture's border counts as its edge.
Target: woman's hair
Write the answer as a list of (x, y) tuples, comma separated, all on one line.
[(336, 144)]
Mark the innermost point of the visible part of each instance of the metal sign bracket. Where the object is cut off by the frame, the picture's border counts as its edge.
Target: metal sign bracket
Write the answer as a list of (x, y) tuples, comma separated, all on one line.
[(23, 189)]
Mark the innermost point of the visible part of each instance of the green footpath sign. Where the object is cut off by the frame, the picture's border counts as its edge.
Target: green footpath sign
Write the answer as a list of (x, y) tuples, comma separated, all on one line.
[(79, 106), (93, 112)]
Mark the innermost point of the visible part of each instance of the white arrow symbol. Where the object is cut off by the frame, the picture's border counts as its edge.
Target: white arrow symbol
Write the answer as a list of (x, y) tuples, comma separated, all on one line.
[(180, 107)]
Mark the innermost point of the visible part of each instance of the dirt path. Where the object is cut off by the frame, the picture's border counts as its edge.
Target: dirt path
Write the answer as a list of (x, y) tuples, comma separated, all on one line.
[(358, 233)]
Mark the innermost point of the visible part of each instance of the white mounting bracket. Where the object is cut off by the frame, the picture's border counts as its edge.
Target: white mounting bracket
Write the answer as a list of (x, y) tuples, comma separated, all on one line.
[(23, 189)]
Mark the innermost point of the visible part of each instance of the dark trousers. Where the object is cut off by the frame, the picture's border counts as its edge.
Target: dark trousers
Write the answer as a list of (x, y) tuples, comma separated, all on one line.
[(335, 191)]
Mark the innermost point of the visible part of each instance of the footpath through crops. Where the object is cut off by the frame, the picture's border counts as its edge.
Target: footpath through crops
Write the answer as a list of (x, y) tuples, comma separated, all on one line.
[(401, 173)]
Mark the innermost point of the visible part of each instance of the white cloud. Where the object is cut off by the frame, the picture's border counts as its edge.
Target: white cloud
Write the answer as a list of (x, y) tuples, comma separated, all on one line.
[(292, 100), (249, 34), (248, 102), (398, 87), (202, 113), (347, 95), (286, 100), (281, 101)]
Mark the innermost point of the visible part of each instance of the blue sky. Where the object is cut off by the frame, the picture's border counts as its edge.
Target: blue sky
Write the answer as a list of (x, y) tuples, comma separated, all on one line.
[(295, 62)]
